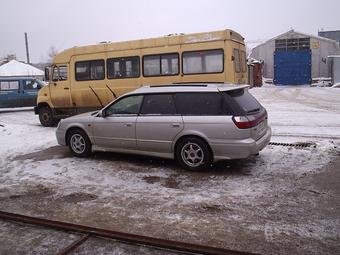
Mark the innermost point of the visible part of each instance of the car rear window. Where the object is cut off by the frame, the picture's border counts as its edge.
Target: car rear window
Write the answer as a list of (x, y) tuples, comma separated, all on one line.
[(243, 101)]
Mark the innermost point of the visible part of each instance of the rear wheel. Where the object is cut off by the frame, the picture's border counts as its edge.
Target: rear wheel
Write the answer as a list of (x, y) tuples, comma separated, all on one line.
[(193, 153), (46, 117), (79, 143)]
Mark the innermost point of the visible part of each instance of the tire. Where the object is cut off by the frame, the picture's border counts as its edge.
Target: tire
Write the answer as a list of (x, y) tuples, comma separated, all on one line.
[(193, 153), (79, 143), (46, 117)]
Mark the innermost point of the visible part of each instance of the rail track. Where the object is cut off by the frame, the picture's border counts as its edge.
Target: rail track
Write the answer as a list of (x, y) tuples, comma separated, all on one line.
[(87, 232)]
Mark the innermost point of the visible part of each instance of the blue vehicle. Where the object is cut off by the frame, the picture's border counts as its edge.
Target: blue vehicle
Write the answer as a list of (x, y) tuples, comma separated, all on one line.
[(19, 92)]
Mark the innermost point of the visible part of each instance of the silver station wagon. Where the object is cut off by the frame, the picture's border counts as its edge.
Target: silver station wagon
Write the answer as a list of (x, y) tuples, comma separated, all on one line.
[(196, 124)]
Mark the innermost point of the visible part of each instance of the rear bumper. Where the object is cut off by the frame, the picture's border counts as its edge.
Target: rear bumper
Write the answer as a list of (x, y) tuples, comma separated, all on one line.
[(240, 148)]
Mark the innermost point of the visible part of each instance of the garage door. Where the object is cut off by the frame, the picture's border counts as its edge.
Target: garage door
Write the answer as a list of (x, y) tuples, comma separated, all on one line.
[(292, 67)]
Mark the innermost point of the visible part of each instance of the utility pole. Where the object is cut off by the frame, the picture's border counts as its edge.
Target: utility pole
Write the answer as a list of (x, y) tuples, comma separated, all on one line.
[(27, 53)]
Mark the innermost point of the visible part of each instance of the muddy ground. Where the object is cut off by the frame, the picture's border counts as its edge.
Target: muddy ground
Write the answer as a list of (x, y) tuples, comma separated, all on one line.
[(299, 217)]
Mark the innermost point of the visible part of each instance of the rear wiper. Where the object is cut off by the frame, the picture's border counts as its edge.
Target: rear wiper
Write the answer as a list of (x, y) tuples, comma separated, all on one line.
[(254, 110)]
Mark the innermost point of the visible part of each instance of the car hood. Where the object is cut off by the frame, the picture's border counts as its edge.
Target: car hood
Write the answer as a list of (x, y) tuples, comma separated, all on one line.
[(80, 117)]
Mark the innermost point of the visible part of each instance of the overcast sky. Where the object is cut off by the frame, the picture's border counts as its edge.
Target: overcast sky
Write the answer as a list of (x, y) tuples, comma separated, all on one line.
[(67, 23)]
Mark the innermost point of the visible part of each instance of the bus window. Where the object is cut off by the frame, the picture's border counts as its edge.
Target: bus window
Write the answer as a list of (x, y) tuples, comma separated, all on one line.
[(160, 65), (127, 67), (90, 70), (237, 61), (205, 61), (59, 73)]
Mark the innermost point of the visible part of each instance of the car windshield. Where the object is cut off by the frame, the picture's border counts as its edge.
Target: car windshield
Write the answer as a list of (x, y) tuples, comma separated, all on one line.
[(244, 100)]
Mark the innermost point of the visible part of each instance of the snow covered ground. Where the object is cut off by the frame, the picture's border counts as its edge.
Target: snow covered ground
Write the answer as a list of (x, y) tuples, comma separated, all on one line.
[(270, 199)]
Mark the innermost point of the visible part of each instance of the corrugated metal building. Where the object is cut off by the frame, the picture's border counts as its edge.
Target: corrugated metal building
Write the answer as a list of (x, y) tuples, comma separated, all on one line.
[(295, 58), (335, 68), (334, 35)]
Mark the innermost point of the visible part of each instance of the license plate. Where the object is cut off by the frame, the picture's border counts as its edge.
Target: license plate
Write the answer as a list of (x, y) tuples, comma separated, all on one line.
[(261, 127)]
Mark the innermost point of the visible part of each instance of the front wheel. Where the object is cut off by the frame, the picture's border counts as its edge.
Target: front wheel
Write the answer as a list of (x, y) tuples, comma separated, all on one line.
[(79, 143), (193, 154), (46, 117)]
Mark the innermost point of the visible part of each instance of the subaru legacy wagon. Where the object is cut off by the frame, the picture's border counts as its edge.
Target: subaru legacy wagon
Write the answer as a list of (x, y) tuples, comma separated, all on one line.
[(195, 124)]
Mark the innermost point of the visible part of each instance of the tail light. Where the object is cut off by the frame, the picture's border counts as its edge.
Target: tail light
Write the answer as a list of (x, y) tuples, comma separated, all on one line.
[(249, 121)]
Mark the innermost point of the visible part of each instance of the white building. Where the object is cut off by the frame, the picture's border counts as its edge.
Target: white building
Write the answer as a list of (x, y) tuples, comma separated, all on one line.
[(15, 68)]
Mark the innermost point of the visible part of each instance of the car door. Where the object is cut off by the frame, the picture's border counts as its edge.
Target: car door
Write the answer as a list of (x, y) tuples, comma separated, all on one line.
[(116, 129), (29, 92), (158, 123), (10, 93)]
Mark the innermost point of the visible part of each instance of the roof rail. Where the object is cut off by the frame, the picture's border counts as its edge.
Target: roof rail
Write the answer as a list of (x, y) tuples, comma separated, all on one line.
[(179, 84)]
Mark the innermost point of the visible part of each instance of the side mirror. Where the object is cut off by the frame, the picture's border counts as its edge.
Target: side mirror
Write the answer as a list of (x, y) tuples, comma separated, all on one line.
[(47, 73), (101, 113)]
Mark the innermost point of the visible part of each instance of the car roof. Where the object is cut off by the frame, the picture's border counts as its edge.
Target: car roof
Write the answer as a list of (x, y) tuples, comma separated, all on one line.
[(197, 87)]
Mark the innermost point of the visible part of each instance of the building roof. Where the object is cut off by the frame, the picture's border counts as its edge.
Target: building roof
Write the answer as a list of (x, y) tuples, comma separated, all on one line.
[(16, 68), (300, 33)]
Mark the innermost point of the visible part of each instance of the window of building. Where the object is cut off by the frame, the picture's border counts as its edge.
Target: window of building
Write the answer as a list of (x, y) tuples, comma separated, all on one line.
[(127, 67), (90, 70), (9, 85), (161, 104), (292, 44), (160, 65), (59, 73), (206, 61), (199, 103), (237, 61)]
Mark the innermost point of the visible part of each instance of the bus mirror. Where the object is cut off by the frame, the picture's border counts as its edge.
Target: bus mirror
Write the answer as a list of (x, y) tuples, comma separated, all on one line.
[(47, 74)]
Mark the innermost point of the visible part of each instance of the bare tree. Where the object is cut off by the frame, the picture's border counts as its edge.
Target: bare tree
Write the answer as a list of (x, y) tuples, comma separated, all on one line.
[(52, 51)]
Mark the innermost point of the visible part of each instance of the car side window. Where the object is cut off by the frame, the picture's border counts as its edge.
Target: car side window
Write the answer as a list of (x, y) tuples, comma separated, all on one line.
[(126, 106), (9, 85), (31, 85), (158, 104), (200, 103)]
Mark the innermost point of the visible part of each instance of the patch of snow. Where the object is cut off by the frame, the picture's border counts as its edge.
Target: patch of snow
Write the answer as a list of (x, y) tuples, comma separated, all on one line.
[(204, 38), (16, 68)]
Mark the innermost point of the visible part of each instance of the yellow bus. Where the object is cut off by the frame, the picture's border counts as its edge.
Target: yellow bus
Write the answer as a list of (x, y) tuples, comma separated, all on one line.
[(86, 78)]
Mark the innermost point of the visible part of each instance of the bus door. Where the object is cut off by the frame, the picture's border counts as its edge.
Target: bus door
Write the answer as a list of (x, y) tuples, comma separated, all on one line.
[(60, 87), (29, 91), (240, 65), (9, 93)]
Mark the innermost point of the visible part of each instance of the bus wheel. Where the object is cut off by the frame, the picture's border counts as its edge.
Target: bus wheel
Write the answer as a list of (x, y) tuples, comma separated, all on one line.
[(46, 117)]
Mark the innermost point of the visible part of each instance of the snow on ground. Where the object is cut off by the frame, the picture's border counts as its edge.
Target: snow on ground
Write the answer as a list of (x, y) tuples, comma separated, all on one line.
[(233, 196), (295, 114)]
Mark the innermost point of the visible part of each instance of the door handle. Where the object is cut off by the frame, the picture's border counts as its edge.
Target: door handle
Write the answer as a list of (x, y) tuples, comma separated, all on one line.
[(66, 88), (175, 124), (128, 124)]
